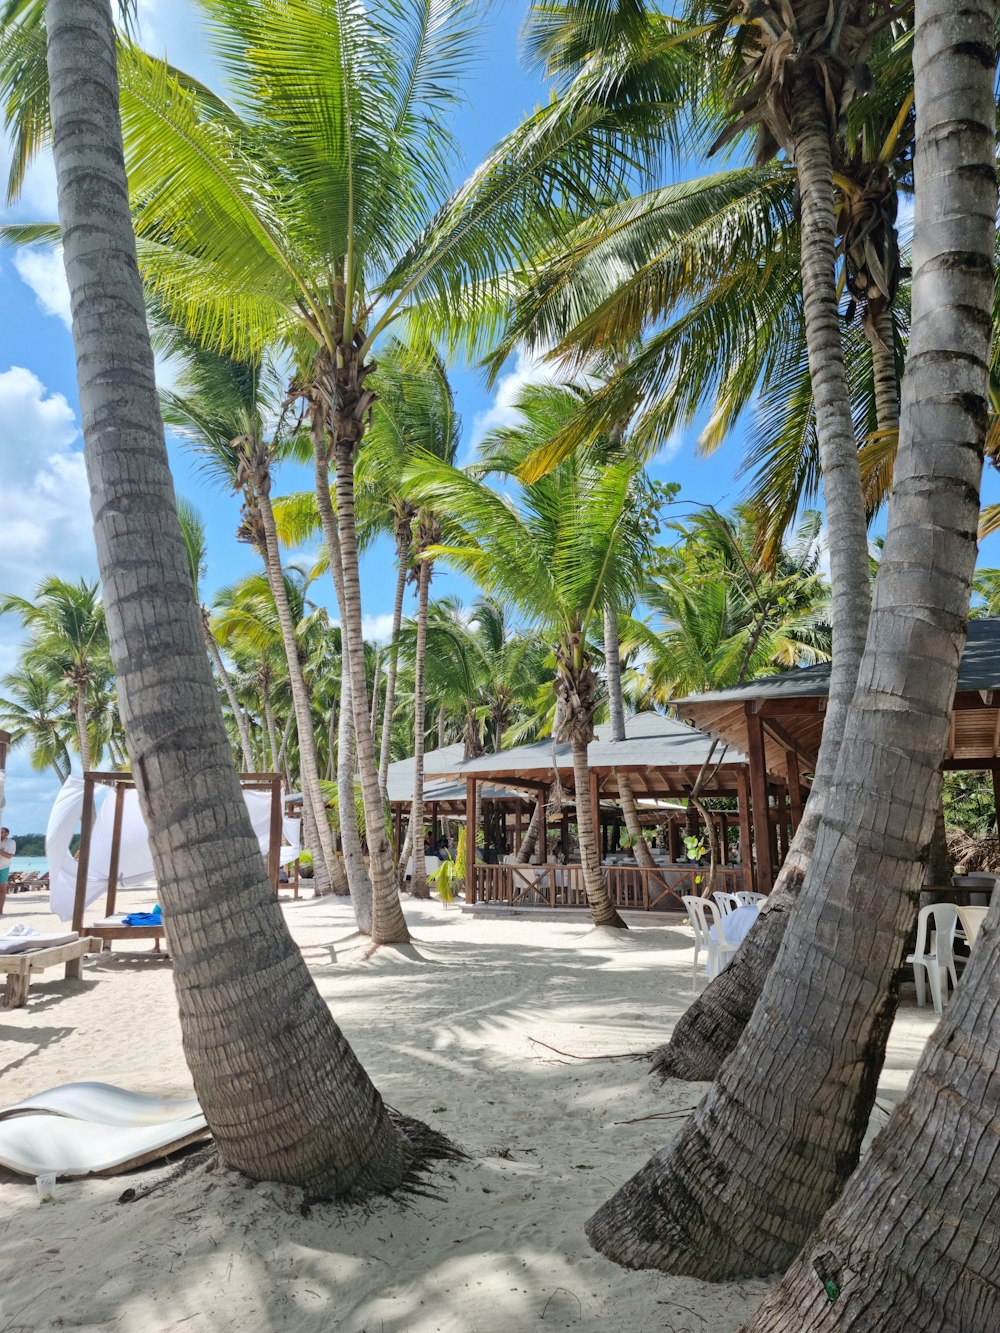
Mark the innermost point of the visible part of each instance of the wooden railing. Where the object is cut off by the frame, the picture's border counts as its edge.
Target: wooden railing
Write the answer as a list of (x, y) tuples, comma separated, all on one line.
[(631, 887)]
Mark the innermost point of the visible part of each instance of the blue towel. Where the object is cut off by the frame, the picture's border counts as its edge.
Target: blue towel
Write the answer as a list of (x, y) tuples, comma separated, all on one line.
[(153, 918)]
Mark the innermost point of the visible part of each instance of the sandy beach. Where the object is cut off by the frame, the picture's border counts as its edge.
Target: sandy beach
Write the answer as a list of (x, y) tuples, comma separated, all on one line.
[(450, 1033)]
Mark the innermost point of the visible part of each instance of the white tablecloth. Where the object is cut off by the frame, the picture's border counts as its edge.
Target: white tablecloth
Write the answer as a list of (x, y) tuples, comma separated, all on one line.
[(736, 926)]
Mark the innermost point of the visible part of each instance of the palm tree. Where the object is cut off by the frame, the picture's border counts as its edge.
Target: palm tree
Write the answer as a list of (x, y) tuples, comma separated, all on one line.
[(283, 1092), (799, 1088), (220, 408), (69, 638), (414, 413), (558, 552), (33, 713), (193, 535)]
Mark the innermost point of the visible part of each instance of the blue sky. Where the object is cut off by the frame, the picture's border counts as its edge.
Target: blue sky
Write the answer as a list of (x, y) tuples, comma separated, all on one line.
[(45, 524)]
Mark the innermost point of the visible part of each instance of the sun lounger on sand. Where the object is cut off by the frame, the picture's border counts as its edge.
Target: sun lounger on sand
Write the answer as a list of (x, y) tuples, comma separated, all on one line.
[(83, 1129), (41, 1144), (22, 955), (104, 1104)]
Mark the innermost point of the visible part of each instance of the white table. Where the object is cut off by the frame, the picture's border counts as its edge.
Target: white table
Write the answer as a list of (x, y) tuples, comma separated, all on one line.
[(736, 926)]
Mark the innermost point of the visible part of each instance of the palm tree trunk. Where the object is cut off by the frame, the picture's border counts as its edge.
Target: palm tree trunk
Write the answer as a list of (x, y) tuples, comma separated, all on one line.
[(272, 734), (308, 767), (388, 922), (601, 907), (402, 558), (226, 680), (789, 1110), (360, 885), (712, 1026), (350, 835), (82, 735), (418, 878), (616, 710), (321, 881), (285, 1096), (880, 333), (376, 690), (530, 838)]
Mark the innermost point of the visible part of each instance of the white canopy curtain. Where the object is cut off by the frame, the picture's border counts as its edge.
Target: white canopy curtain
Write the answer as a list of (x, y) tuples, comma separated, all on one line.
[(135, 863)]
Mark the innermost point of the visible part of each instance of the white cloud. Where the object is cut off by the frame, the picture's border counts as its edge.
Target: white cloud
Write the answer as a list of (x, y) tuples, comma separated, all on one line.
[(527, 370), (46, 523), (43, 272), (377, 628)]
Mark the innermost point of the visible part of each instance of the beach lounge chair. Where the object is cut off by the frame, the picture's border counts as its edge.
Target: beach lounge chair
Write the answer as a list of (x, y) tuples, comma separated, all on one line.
[(21, 955), (104, 1104)]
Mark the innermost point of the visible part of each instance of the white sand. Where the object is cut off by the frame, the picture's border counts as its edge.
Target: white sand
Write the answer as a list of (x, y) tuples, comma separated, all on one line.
[(446, 1037)]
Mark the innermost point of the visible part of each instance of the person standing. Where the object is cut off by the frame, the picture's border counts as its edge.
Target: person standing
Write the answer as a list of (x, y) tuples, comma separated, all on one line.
[(8, 850)]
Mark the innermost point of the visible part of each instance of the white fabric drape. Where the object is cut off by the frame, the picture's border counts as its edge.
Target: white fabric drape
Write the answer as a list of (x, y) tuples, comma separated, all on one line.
[(135, 860)]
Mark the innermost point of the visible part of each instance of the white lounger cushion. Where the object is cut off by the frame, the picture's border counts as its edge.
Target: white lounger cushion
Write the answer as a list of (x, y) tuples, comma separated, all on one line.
[(13, 944), (44, 1144), (103, 1104)]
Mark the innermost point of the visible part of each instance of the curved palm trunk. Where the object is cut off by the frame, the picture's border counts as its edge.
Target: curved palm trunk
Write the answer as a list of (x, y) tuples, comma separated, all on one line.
[(388, 922), (350, 835), (601, 907), (308, 766), (530, 839), (418, 878), (285, 1096), (712, 1026), (402, 556), (791, 1105), (358, 879), (238, 714), (82, 735), (271, 729), (616, 709)]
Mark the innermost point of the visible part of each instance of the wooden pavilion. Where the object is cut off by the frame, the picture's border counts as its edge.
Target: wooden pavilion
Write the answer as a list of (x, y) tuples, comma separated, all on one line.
[(663, 760), (777, 722)]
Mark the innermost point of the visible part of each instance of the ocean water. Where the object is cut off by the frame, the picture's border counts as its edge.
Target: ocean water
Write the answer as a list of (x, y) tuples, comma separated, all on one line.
[(28, 863)]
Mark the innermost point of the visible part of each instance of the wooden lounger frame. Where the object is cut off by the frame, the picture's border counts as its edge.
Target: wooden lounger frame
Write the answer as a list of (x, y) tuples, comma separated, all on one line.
[(20, 966)]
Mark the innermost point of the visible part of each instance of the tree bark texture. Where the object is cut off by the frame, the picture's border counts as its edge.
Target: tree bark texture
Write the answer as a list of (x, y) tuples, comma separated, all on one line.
[(773, 1143), (616, 711), (601, 907), (880, 334), (714, 1023), (359, 883), (418, 876), (82, 735), (402, 557), (388, 922), (284, 1094), (308, 765)]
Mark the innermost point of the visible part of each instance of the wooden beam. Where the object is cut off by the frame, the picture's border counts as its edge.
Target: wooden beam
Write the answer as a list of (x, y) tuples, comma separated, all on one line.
[(794, 787), (274, 835), (746, 842), (787, 707), (758, 795), (470, 839), (788, 742), (114, 861)]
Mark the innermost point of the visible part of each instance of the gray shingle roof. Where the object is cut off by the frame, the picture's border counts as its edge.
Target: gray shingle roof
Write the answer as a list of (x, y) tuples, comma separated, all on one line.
[(978, 670)]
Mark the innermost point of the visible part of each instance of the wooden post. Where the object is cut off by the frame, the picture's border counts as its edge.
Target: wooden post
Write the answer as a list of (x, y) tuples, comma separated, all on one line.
[(74, 968), (783, 818), (746, 842), (673, 839), (794, 787), (397, 833), (723, 839), (762, 831), (274, 834), (470, 839), (517, 823), (116, 849)]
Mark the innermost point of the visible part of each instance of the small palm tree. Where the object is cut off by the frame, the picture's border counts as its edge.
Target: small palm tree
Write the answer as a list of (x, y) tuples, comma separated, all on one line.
[(33, 712), (69, 640), (557, 550)]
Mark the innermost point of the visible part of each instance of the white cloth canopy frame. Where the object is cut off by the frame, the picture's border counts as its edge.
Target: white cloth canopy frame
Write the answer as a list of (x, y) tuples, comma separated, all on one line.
[(134, 857)]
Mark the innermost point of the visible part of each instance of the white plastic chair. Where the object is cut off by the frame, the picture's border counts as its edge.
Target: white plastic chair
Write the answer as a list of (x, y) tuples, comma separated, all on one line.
[(971, 920), (935, 924), (703, 915), (727, 902), (749, 899)]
